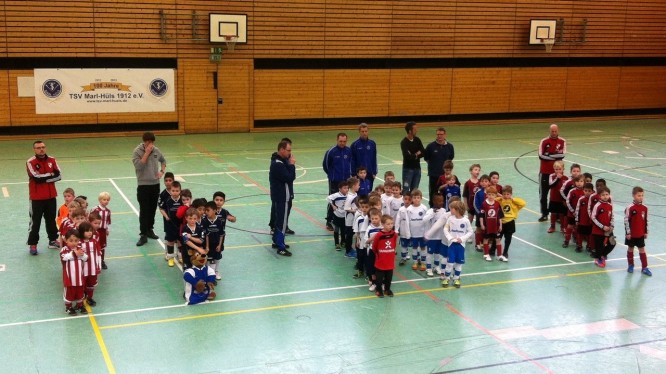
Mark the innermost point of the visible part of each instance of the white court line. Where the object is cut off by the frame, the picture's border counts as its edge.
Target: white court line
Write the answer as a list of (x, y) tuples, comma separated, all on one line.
[(545, 250), (5, 192), (605, 171)]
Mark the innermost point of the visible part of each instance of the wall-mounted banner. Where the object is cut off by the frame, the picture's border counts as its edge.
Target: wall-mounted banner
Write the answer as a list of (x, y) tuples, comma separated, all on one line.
[(104, 90)]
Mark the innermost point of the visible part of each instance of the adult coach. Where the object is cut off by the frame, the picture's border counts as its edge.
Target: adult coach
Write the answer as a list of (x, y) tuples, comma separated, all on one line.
[(551, 149), (364, 153), (271, 223), (43, 172), (436, 153), (412, 152), (337, 165), (149, 165), (281, 176)]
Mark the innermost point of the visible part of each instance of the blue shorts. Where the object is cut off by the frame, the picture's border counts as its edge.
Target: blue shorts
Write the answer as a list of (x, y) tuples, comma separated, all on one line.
[(417, 242), (404, 243), (435, 246), (456, 253)]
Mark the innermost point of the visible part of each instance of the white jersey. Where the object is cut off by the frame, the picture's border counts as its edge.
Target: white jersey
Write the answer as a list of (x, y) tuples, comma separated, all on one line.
[(458, 229), (435, 219), (338, 200), (369, 234), (400, 221), (385, 203), (394, 205), (350, 209), (416, 226)]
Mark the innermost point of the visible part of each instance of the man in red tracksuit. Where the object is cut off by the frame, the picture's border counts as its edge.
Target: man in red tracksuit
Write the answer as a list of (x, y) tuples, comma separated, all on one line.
[(43, 172), (551, 148)]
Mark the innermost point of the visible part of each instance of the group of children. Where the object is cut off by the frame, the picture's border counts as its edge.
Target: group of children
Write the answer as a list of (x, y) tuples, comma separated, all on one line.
[(83, 237)]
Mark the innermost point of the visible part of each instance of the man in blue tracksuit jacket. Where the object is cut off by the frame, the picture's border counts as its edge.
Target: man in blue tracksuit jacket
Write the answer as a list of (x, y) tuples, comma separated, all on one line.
[(337, 165), (364, 153), (281, 177)]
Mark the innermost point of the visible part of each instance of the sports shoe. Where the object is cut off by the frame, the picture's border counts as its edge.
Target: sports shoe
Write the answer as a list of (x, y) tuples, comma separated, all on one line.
[(487, 258), (543, 219), (54, 245), (33, 250), (429, 273), (423, 267), (338, 247), (630, 269), (379, 294), (151, 234), (284, 252), (274, 246), (91, 301), (289, 231), (456, 283), (142, 240), (358, 274), (351, 254), (551, 229), (446, 282), (503, 259), (647, 272), (579, 249), (389, 293), (600, 263), (71, 311), (438, 270), (329, 227), (104, 265), (479, 248), (402, 262), (372, 287), (565, 245), (415, 265), (171, 262), (83, 310), (217, 275)]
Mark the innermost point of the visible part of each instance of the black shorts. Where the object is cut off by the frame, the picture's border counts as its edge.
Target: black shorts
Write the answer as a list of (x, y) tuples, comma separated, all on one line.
[(557, 207), (635, 242), (584, 230), (471, 212), (508, 227), (492, 236)]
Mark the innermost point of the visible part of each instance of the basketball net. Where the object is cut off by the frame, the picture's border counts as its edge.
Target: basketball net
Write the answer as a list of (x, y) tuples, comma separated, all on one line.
[(231, 41), (549, 43)]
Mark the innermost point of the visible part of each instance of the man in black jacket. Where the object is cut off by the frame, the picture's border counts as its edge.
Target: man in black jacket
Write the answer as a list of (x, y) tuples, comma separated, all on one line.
[(281, 177)]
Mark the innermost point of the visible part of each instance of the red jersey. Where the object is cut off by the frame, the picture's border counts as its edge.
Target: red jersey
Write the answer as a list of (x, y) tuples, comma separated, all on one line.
[(582, 213), (469, 190), (551, 150), (572, 199), (555, 186), (105, 213), (42, 174), (384, 245), (635, 221), (594, 199), (66, 225), (491, 214), (567, 186), (72, 267), (94, 264), (602, 215)]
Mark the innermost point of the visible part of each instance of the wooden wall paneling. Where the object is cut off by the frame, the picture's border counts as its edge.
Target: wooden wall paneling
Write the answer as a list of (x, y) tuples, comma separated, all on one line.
[(357, 28), (538, 9), (356, 93), (5, 111), (590, 88), (48, 28), (280, 94), (234, 87), (538, 89), (199, 98), (478, 90), (605, 28), (3, 32), (420, 92), (642, 87), (645, 36), (422, 28), (484, 28), (293, 28)]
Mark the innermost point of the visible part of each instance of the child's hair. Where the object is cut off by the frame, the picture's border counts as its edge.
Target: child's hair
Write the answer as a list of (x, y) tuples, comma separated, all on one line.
[(603, 189), (219, 194), (175, 184), (351, 182), (491, 189), (397, 185), (169, 175), (437, 195), (374, 200), (73, 205), (484, 177), (379, 188), (577, 178), (408, 194), (492, 173), (507, 189), (385, 218), (458, 206), (104, 195), (211, 205), (85, 227), (636, 190), (362, 200), (388, 173), (69, 190), (375, 193), (559, 164), (573, 166), (448, 164), (587, 175), (417, 192), (452, 177), (72, 232), (94, 216), (588, 186), (199, 202), (474, 166), (360, 169), (388, 184), (186, 193), (600, 182), (374, 212), (191, 212), (78, 212), (453, 198), (81, 200), (342, 184)]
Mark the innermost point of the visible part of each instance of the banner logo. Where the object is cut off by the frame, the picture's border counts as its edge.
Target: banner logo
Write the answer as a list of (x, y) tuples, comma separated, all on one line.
[(52, 88)]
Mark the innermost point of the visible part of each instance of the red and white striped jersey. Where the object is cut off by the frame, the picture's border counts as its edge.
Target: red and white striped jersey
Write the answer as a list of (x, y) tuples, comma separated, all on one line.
[(105, 213), (94, 264), (72, 267)]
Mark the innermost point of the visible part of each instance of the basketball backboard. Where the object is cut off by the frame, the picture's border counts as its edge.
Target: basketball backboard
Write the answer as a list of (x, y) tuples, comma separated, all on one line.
[(541, 29), (222, 25)]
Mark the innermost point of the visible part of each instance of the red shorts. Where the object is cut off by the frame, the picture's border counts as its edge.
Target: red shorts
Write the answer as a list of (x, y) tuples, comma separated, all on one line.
[(101, 234), (90, 281), (73, 294)]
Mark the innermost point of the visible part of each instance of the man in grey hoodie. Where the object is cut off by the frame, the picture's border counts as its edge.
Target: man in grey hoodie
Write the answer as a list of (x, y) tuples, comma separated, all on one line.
[(149, 165)]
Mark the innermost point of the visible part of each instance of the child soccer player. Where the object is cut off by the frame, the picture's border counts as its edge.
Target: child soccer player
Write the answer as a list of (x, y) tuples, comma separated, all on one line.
[(169, 208), (556, 206), (350, 208), (365, 185), (401, 223), (92, 267), (396, 201), (200, 205), (435, 246), (63, 211), (479, 197), (415, 230), (571, 200), (83, 201), (105, 224), (490, 217), (450, 190), (219, 198), (594, 199), (510, 207), (72, 258), (213, 227), (192, 237), (386, 197), (456, 230), (602, 226), (337, 203), (568, 185), (384, 248), (360, 227), (373, 228), (389, 176), (636, 231), (447, 171), (76, 216), (165, 195), (494, 181), (583, 221), (470, 188)]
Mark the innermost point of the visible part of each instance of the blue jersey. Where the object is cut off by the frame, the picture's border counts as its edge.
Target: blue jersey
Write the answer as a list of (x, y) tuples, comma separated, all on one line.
[(214, 231), (364, 189), (449, 192)]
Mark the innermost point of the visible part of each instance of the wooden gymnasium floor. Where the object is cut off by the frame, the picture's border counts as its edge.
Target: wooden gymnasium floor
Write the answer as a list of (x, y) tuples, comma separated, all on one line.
[(548, 310)]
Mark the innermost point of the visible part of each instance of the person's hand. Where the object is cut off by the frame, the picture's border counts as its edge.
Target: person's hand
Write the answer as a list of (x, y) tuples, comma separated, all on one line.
[(607, 228), (150, 147), (79, 252), (292, 160)]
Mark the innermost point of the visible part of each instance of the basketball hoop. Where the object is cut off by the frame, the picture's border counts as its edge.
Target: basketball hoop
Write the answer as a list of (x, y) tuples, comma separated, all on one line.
[(549, 43), (231, 41)]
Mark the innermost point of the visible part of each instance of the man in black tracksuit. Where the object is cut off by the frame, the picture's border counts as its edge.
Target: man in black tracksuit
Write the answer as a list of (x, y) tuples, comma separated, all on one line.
[(281, 177)]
